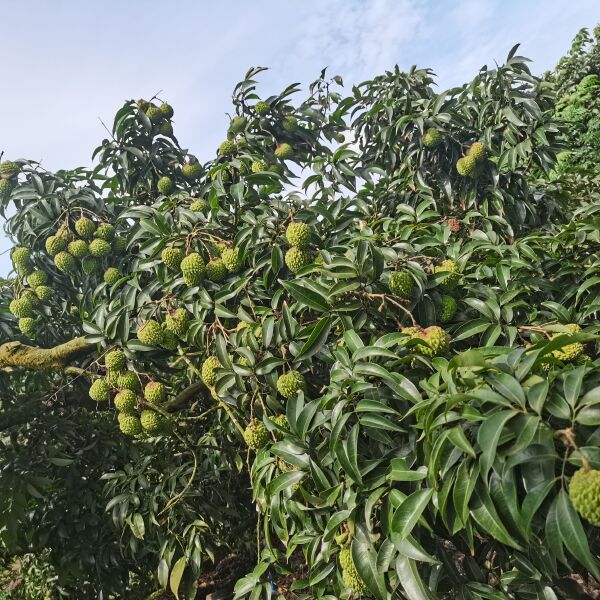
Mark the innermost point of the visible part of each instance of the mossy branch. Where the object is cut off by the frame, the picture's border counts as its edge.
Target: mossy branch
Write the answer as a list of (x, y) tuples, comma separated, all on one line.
[(19, 355)]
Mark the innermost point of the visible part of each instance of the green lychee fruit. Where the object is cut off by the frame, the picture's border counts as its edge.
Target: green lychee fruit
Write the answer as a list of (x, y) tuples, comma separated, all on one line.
[(154, 114), (65, 262), (27, 326), (432, 138), (477, 151), (165, 186), (150, 333), (78, 249), (584, 491), (90, 265), (262, 108), (281, 421), (106, 232), (128, 380), (452, 273), (100, 390), (256, 435), (209, 371), (6, 188), (155, 392), (193, 269), (111, 276), (169, 339), (437, 340), (172, 258), (227, 148), (8, 169), (569, 352), (284, 151), (290, 384), (258, 166), (119, 245), (219, 248), (296, 259), (115, 360), (216, 270), (85, 227), (352, 580), (129, 424), (142, 104), (466, 165), (153, 423), (167, 110), (238, 124), (44, 292), (401, 284), (178, 322), (191, 171), (197, 205), (126, 401), (289, 123), (99, 248), (21, 259), (55, 244), (37, 278), (298, 234), (448, 309), (232, 259)]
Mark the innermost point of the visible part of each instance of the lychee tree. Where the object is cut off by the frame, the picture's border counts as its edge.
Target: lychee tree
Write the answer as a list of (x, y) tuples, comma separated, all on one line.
[(363, 308)]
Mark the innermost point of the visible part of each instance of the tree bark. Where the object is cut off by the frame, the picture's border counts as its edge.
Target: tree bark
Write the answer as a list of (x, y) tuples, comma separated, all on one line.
[(16, 354)]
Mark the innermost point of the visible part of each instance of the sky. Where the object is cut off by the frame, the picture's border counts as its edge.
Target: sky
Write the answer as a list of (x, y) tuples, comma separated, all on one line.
[(73, 63)]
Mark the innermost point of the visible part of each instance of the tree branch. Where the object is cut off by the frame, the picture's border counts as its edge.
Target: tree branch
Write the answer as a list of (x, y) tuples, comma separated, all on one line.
[(17, 354)]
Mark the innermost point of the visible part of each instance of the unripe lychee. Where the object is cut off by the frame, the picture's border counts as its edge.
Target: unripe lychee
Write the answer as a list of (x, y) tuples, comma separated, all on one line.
[(167, 110), (477, 151), (154, 114), (105, 231), (55, 244), (85, 227), (216, 270), (452, 273), (298, 234), (90, 265), (172, 258), (129, 424), (126, 401), (350, 576), (128, 380), (290, 384), (99, 248), (111, 276), (256, 435), (37, 278), (258, 166), (569, 352), (262, 107), (155, 392), (21, 259), (165, 128), (448, 309), (282, 421), (289, 123), (6, 188), (100, 390), (296, 259), (227, 148), (209, 371), (115, 360), (65, 262), (27, 326), (169, 339), (238, 124), (437, 340), (466, 165), (193, 269), (153, 423), (44, 292), (401, 284), (284, 151), (584, 491), (8, 169), (198, 205), (78, 248), (150, 333), (178, 322), (191, 171), (232, 259), (432, 138), (165, 186)]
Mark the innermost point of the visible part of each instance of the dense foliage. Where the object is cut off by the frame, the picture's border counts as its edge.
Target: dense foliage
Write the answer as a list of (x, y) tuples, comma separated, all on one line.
[(353, 354)]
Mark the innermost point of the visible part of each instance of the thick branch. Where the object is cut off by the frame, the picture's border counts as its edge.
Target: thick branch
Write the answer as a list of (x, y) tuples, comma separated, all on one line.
[(17, 354)]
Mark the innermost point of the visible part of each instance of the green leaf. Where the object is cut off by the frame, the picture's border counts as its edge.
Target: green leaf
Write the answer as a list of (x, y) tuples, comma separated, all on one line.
[(487, 437), (306, 297), (408, 513), (137, 526), (365, 559), (177, 574), (487, 518), (317, 338), (410, 580)]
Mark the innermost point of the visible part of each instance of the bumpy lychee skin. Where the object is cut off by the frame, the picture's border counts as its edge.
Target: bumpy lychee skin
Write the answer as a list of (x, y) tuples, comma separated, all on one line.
[(154, 114), (155, 392), (477, 151), (232, 259), (55, 244), (37, 278), (290, 123), (401, 284), (90, 265), (448, 309), (453, 274), (296, 259), (198, 205), (150, 333), (128, 380), (99, 248), (105, 232), (100, 390), (238, 124), (115, 360), (44, 292), (298, 234), (227, 148), (282, 421), (129, 424), (153, 423), (28, 327), (78, 248), (170, 341), (432, 138), (172, 258), (437, 340), (466, 165), (191, 171), (258, 166), (126, 401), (284, 151), (209, 371), (8, 169), (193, 269), (21, 259), (262, 108), (290, 384), (350, 576), (178, 322), (85, 227), (65, 262), (569, 352), (584, 491), (167, 110), (111, 276), (256, 435), (216, 270), (6, 188), (165, 185), (21, 307)]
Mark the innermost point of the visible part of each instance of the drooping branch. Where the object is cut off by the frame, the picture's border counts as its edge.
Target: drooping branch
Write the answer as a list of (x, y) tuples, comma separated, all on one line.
[(19, 355)]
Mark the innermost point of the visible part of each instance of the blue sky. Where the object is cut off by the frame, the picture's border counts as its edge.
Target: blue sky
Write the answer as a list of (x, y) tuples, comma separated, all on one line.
[(73, 63)]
